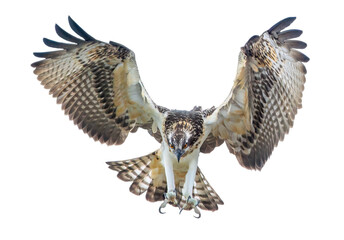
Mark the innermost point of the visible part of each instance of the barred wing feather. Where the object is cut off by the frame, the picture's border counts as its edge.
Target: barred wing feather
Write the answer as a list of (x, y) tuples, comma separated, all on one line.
[(98, 85), (266, 95)]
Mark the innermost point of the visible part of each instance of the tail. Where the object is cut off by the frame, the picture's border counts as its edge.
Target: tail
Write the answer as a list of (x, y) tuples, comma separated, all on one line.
[(147, 174), (205, 193)]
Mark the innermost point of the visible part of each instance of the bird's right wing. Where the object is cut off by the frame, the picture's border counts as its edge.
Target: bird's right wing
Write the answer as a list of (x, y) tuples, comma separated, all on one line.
[(263, 102), (98, 85)]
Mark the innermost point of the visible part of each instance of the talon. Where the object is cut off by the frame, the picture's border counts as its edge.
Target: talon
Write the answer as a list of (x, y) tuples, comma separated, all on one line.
[(169, 197), (197, 211), (163, 205), (193, 203)]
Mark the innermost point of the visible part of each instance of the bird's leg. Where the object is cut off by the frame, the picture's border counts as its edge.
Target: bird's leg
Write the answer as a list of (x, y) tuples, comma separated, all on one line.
[(171, 195), (188, 188)]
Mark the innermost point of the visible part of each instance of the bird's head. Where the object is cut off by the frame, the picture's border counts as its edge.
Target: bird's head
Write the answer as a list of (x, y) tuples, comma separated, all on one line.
[(180, 139)]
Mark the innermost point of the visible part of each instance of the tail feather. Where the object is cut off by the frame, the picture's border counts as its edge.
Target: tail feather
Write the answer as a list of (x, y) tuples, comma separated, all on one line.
[(137, 170), (141, 182), (148, 175), (207, 195), (156, 193), (180, 198), (209, 200)]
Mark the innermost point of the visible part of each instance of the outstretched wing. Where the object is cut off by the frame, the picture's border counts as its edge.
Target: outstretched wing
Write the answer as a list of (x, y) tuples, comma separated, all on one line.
[(98, 85), (267, 92)]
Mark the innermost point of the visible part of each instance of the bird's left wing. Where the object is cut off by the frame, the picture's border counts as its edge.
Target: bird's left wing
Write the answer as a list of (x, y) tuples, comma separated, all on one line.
[(98, 85), (263, 102)]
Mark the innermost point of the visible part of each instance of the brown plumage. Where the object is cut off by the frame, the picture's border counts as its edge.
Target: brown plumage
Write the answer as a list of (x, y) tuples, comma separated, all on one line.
[(147, 175), (83, 77), (100, 89), (265, 97)]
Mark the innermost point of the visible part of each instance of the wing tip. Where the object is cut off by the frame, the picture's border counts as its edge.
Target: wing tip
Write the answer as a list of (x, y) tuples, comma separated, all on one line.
[(285, 36), (78, 30), (37, 54), (295, 44), (70, 19), (281, 24), (299, 56), (67, 36)]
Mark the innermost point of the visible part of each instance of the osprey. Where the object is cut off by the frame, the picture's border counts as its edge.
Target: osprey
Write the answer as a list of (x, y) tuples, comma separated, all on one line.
[(99, 87)]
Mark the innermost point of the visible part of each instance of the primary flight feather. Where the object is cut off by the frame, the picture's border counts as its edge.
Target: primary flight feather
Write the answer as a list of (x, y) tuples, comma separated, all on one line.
[(99, 87)]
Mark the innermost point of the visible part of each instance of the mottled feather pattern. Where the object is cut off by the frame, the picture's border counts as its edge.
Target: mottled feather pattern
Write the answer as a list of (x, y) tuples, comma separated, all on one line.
[(265, 97), (99, 88), (205, 146), (209, 200), (97, 84), (210, 143), (139, 171), (202, 190), (178, 119), (147, 175)]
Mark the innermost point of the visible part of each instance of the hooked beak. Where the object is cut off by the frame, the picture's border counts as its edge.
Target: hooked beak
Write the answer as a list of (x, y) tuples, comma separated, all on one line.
[(179, 154)]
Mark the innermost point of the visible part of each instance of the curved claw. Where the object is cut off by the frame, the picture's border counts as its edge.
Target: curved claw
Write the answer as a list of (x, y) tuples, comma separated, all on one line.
[(169, 197), (163, 205), (197, 211), (161, 211), (194, 203)]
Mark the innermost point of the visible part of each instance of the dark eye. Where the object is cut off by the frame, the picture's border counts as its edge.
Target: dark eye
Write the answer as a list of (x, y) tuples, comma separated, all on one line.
[(171, 146), (185, 146)]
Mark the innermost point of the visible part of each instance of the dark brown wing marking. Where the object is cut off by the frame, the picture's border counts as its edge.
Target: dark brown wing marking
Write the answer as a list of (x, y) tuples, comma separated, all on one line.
[(265, 97), (98, 86)]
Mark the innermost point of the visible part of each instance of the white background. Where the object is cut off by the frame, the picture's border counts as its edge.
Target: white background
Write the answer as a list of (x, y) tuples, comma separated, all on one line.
[(54, 182)]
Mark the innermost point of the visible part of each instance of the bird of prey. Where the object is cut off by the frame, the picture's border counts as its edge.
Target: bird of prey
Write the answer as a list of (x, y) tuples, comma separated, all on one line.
[(99, 87)]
